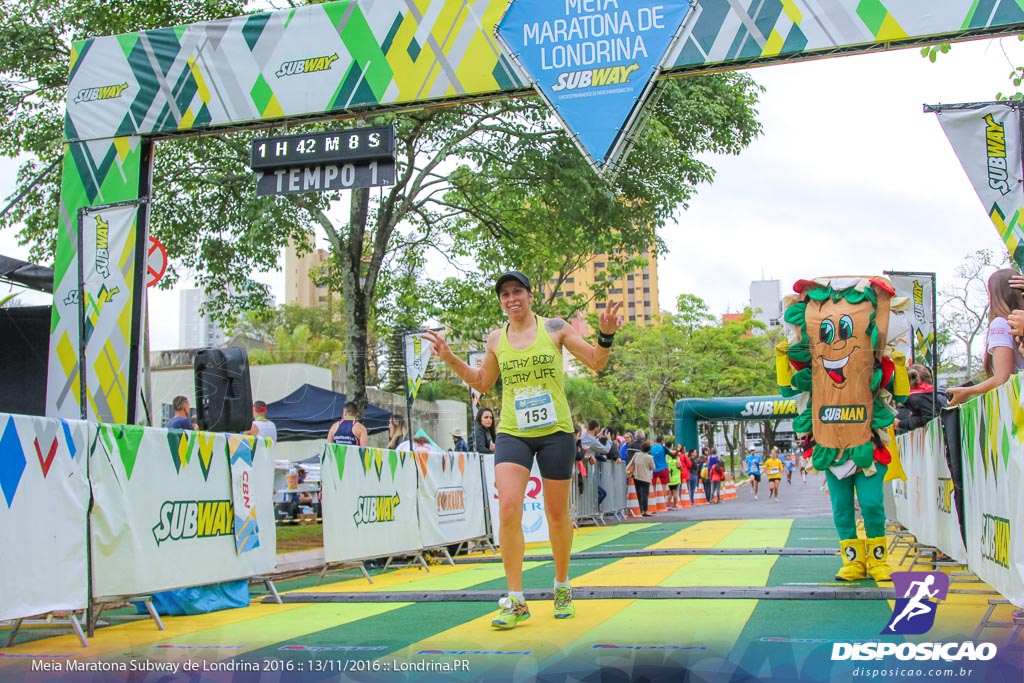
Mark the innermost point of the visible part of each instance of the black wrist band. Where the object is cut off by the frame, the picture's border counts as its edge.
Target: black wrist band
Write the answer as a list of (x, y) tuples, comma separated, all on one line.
[(605, 342)]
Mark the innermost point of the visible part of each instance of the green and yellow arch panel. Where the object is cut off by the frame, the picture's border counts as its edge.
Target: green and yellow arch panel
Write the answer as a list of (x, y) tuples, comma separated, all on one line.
[(339, 59)]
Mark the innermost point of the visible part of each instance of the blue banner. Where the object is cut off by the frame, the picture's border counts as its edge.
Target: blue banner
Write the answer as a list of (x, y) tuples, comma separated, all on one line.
[(594, 61)]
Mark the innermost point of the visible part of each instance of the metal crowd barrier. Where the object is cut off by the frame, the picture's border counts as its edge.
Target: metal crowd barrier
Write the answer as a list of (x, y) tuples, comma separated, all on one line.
[(583, 497), (612, 478)]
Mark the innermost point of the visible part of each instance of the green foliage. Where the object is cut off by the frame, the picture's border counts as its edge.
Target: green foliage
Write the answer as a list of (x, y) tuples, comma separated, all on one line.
[(1016, 75), (532, 203), (296, 335), (931, 52), (687, 355), (590, 401), (37, 37), (298, 345)]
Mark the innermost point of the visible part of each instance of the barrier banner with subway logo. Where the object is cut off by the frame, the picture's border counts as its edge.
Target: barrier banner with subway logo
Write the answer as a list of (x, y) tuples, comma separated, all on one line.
[(163, 516), (925, 501), (986, 138), (450, 497), (369, 503), (992, 435), (44, 501)]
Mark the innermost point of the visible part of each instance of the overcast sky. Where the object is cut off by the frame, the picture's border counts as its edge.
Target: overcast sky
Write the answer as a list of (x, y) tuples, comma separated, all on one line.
[(849, 177)]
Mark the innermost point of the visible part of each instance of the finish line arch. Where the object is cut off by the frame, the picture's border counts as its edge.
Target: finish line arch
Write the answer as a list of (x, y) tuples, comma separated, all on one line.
[(340, 60), (690, 411)]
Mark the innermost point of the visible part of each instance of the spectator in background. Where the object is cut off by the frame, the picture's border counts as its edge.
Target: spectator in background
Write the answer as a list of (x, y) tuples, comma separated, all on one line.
[(484, 431), (919, 408), (627, 443), (398, 432), (182, 414), (348, 431), (460, 443), (674, 479), (693, 463), (717, 476), (705, 472), (1002, 357), (596, 446), (613, 441), (661, 475), (641, 468), (595, 442), (261, 426)]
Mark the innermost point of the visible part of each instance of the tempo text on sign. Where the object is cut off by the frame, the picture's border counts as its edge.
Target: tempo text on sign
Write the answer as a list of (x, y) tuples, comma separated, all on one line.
[(325, 161), (325, 178)]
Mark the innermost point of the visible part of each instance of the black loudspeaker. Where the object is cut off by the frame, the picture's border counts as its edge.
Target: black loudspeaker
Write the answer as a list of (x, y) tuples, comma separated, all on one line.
[(23, 365), (223, 390)]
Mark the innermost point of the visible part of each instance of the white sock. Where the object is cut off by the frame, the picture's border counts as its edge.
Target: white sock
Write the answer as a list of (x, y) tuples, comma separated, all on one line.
[(518, 595), (562, 584)]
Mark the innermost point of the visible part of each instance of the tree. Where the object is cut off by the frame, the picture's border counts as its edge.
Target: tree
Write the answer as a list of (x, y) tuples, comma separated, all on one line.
[(688, 355), (535, 205), (963, 306), (589, 401), (501, 178), (37, 37)]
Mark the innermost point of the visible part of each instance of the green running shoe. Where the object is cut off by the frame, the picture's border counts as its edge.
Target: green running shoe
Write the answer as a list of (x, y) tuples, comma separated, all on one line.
[(564, 608), (512, 612)]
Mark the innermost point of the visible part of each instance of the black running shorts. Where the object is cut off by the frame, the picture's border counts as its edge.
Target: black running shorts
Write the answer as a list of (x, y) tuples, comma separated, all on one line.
[(555, 453)]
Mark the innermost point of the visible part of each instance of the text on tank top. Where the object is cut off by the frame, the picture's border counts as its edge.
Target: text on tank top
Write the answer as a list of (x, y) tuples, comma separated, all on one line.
[(344, 433), (533, 398)]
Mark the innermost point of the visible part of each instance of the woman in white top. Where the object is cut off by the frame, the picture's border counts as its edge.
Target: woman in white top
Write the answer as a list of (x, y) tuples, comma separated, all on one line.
[(1002, 357)]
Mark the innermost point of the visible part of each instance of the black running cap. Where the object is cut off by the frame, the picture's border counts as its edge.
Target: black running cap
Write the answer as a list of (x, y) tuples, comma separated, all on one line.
[(512, 275)]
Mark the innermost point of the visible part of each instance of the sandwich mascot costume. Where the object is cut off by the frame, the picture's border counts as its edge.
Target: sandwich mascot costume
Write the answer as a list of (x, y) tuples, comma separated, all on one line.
[(836, 361)]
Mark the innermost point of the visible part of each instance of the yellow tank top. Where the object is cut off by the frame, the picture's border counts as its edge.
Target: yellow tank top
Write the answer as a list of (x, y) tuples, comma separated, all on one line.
[(532, 396)]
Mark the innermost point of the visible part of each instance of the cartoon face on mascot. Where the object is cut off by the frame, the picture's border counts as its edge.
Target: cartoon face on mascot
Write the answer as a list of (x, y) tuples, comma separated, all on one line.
[(842, 361)]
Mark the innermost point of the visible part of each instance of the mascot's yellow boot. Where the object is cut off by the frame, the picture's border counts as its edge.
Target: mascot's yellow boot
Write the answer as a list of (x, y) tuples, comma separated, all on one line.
[(878, 556), (853, 568)]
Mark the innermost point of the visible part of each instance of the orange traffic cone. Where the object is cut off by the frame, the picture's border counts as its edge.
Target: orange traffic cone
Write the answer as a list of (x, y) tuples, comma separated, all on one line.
[(662, 497), (632, 501), (684, 495), (698, 496), (729, 489)]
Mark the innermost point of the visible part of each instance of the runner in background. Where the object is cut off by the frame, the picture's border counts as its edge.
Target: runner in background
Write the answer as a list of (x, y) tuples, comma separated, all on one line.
[(773, 465)]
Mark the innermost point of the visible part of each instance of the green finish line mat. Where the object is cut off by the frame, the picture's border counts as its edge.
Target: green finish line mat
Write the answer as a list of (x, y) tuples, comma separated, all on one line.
[(721, 600)]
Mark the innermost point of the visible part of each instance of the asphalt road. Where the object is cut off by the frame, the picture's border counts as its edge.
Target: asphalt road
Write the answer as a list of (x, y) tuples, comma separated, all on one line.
[(796, 500)]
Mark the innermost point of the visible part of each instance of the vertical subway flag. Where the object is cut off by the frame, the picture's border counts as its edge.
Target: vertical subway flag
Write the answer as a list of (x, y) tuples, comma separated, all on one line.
[(986, 138), (105, 294), (417, 356), (476, 358), (918, 288)]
